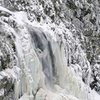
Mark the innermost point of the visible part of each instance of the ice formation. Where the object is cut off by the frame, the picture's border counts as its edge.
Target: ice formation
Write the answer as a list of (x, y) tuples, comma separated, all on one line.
[(43, 54)]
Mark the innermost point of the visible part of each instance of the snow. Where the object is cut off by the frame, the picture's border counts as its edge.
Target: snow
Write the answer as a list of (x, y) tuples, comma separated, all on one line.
[(95, 95), (24, 44), (24, 97), (33, 76), (1, 92), (5, 10), (20, 17)]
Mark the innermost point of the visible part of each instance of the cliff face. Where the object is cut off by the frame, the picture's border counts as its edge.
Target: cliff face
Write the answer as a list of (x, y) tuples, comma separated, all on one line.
[(49, 50)]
